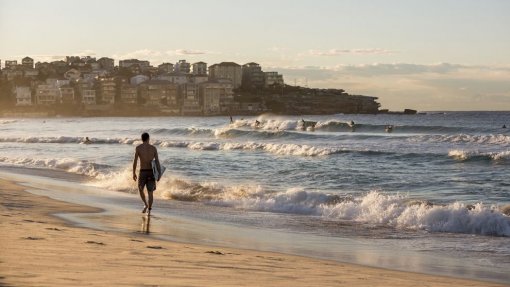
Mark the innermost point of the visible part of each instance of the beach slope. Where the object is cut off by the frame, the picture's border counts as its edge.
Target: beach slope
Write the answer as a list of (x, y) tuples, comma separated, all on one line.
[(38, 249)]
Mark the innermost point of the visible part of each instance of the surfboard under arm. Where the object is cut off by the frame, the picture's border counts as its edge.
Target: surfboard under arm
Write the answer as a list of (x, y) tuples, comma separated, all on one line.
[(155, 170)]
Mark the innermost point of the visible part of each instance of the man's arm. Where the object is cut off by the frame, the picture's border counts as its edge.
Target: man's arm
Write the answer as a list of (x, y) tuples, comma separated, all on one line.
[(158, 166), (135, 162)]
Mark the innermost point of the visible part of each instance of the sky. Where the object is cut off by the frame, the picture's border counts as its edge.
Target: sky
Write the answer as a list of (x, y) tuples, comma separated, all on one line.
[(426, 55)]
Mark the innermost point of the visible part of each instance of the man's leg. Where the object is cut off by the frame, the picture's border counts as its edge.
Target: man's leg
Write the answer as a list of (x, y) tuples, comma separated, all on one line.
[(151, 199), (142, 195), (151, 187)]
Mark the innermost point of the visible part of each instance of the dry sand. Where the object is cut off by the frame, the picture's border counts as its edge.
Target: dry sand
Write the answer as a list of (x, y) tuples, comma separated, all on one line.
[(37, 249)]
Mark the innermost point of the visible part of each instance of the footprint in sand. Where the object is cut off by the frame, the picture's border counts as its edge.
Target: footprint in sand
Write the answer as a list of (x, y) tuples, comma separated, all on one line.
[(95, 242), (54, 228), (215, 252), (28, 220), (33, 238), (154, 247), (136, 240)]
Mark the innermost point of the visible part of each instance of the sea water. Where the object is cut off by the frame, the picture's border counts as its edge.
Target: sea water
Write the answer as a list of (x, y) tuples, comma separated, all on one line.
[(436, 184)]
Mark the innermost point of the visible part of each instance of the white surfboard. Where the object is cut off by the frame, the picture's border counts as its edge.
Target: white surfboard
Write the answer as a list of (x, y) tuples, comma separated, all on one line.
[(155, 170)]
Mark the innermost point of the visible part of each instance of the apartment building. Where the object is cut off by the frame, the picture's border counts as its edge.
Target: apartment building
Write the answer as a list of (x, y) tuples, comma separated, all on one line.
[(227, 70)]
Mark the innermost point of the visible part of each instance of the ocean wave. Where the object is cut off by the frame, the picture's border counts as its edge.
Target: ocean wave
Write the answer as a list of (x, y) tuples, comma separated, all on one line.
[(398, 211), (464, 155), (3, 122), (70, 165), (392, 210), (192, 131), (375, 207), (289, 149), (493, 139), (334, 125), (64, 139), (274, 148)]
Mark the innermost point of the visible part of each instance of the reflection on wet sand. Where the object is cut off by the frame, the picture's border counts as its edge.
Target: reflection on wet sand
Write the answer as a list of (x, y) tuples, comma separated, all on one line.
[(146, 221)]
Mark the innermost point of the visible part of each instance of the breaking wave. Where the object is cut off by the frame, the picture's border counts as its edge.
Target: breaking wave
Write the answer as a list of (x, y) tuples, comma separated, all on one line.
[(2, 122), (334, 125), (375, 207), (279, 149), (63, 139), (183, 131), (476, 155), (70, 165)]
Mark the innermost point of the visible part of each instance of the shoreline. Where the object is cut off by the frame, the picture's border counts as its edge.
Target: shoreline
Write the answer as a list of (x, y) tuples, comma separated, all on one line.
[(36, 243)]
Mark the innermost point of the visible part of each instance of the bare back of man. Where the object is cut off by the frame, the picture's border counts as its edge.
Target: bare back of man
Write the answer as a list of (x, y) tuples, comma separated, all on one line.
[(146, 153)]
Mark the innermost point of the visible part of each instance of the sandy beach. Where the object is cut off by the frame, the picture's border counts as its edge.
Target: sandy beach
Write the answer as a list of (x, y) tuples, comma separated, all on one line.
[(38, 249)]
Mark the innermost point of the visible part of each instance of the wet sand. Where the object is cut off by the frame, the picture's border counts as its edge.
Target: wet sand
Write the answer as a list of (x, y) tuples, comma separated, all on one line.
[(38, 249)]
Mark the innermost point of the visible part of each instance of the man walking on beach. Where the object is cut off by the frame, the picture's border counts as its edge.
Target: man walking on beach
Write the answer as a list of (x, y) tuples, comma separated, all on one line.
[(146, 152)]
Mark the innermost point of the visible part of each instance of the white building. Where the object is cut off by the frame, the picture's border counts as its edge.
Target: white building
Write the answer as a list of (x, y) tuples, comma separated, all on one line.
[(107, 90), (190, 99), (67, 94), (27, 63), (88, 96), (166, 68), (11, 64), (23, 96), (227, 70), (143, 65), (211, 93), (182, 67), (200, 68), (129, 94), (47, 94), (272, 79)]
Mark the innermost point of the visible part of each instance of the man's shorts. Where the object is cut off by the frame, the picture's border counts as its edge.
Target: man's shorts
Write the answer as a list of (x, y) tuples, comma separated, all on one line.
[(146, 178)]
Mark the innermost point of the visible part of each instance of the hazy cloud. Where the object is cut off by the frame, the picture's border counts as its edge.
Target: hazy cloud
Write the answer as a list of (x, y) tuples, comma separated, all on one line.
[(188, 52), (338, 52), (278, 49), (142, 54), (400, 69)]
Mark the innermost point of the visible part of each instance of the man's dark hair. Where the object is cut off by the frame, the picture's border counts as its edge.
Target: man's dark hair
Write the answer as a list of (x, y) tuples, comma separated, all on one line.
[(145, 137)]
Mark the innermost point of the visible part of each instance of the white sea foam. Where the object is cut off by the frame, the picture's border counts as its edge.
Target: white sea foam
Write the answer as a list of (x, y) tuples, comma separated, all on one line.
[(279, 149), (2, 122), (375, 207), (393, 210), (264, 124), (492, 139), (70, 165), (469, 155), (64, 139)]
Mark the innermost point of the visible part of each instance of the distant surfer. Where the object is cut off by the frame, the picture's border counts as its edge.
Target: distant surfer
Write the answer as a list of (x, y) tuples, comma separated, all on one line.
[(504, 127), (388, 128), (257, 123), (231, 120), (146, 152), (87, 141), (352, 125)]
